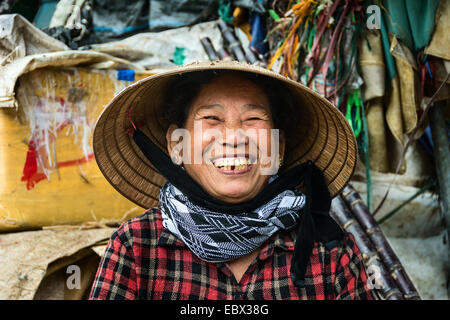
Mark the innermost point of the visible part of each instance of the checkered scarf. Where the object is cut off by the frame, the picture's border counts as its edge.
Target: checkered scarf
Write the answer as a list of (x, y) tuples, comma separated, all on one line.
[(220, 236)]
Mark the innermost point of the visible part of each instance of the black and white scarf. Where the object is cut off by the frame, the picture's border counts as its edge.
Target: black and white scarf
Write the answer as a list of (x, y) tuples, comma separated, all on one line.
[(220, 236)]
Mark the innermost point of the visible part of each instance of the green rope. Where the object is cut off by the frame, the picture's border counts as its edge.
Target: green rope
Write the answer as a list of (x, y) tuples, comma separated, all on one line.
[(354, 117), (274, 15), (319, 8), (365, 143), (224, 11), (429, 185), (312, 34)]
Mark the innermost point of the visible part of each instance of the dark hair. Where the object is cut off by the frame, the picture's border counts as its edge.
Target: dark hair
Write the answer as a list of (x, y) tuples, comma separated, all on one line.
[(183, 90)]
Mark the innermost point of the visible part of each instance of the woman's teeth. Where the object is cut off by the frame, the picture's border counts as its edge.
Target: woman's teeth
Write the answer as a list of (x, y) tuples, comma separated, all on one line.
[(232, 163)]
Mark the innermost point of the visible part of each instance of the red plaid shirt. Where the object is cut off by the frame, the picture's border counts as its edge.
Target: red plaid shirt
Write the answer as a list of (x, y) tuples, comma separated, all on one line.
[(143, 260)]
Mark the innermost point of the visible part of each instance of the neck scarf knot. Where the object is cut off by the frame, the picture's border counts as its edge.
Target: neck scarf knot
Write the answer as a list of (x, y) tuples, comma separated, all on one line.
[(216, 236)]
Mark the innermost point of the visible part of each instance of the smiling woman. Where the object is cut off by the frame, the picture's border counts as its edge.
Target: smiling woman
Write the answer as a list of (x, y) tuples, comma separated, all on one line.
[(236, 111), (193, 146)]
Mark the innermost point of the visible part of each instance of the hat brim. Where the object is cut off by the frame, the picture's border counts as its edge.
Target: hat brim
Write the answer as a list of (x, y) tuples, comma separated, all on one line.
[(322, 136)]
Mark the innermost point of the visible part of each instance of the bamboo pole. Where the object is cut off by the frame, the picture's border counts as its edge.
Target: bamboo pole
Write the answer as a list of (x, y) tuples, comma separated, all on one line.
[(224, 54), (209, 48), (233, 43), (384, 285), (384, 249)]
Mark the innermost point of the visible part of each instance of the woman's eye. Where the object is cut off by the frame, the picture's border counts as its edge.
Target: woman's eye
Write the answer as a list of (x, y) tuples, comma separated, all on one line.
[(211, 118), (253, 118)]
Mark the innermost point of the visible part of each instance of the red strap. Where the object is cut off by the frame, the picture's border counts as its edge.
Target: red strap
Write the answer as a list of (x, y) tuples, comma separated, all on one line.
[(332, 45), (129, 114), (311, 58), (423, 72)]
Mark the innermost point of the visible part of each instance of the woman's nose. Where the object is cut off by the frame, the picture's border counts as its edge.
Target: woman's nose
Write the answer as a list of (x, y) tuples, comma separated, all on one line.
[(234, 136)]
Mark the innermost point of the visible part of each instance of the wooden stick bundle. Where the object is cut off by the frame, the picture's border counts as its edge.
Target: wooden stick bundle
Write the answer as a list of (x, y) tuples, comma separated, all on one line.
[(385, 287), (209, 48), (233, 43), (376, 236), (234, 46)]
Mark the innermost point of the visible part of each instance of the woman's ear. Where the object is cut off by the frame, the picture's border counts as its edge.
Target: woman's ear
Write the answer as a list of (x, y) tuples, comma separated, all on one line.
[(174, 151)]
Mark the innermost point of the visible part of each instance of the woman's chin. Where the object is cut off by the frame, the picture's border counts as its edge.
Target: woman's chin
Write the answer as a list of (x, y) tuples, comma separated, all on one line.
[(234, 192), (233, 187)]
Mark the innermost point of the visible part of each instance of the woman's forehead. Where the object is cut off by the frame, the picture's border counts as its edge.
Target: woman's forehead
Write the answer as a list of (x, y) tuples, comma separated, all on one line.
[(232, 87)]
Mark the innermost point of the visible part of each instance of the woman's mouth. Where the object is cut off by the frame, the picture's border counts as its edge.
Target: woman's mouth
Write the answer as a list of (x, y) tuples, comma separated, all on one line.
[(233, 165)]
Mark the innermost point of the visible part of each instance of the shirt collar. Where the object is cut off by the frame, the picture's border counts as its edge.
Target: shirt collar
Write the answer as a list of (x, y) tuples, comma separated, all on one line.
[(284, 240)]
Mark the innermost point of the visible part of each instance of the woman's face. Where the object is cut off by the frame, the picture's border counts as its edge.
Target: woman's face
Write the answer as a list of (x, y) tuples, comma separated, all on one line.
[(229, 139)]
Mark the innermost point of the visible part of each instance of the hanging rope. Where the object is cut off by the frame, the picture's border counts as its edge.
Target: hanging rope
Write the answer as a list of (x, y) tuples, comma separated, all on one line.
[(318, 49), (301, 10)]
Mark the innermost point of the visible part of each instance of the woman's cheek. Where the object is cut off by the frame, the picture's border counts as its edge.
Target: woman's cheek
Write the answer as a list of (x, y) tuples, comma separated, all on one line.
[(200, 147)]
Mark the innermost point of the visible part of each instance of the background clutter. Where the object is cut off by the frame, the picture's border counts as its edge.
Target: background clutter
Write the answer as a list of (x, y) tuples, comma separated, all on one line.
[(384, 64)]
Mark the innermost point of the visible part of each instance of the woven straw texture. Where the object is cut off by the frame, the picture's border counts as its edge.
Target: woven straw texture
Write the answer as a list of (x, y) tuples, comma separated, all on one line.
[(322, 136)]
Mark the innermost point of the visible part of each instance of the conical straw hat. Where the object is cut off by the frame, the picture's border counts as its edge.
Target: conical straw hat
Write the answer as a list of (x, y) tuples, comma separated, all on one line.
[(322, 136)]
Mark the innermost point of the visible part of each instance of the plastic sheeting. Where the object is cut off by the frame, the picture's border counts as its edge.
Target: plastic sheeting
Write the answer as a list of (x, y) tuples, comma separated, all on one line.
[(412, 21), (19, 38), (152, 50), (28, 258), (167, 14), (24, 48), (114, 20)]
